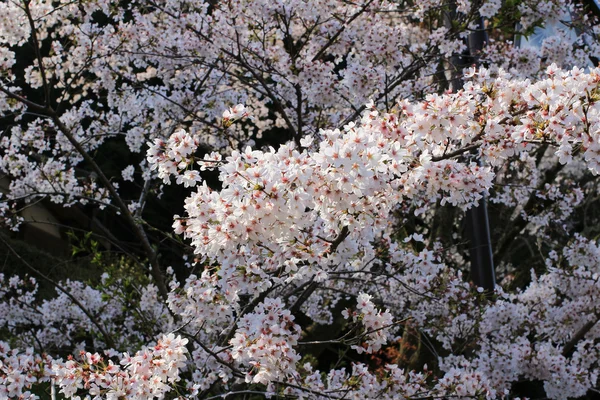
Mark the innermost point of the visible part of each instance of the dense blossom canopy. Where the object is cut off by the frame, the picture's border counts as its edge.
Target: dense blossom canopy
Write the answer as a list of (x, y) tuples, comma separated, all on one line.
[(327, 152)]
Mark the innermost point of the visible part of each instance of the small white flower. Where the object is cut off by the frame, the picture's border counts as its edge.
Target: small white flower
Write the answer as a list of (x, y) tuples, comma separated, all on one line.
[(307, 141), (127, 173)]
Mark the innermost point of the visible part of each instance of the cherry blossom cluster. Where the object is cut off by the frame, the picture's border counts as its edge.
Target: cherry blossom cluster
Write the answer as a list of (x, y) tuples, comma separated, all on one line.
[(210, 367), (201, 304), (288, 217), (532, 333), (173, 157), (393, 383), (356, 176), (234, 114), (283, 206), (348, 207), (141, 64), (501, 334), (376, 323), (148, 374), (155, 71), (514, 336), (265, 340), (77, 307), (20, 371)]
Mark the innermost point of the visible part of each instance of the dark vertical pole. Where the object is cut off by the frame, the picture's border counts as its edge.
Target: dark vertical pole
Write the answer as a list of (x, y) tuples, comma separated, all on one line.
[(482, 261), (477, 224)]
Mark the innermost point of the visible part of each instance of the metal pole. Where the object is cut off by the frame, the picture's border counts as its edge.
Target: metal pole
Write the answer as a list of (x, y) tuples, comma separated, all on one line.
[(482, 260), (477, 223)]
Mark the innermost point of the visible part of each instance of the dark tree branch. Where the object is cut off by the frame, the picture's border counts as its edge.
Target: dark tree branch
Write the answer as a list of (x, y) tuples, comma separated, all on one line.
[(107, 337), (50, 113), (570, 345), (155, 270), (38, 54), (345, 232)]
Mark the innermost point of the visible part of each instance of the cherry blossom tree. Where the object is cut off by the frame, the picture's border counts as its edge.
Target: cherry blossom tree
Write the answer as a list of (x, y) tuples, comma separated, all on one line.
[(327, 151)]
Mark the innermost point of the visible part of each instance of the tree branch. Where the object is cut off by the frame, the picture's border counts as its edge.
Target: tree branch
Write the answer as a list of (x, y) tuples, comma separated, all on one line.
[(107, 337), (138, 230), (38, 55), (570, 345), (345, 232)]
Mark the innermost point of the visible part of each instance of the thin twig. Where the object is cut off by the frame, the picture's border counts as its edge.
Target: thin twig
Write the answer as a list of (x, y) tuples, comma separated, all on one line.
[(107, 337)]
